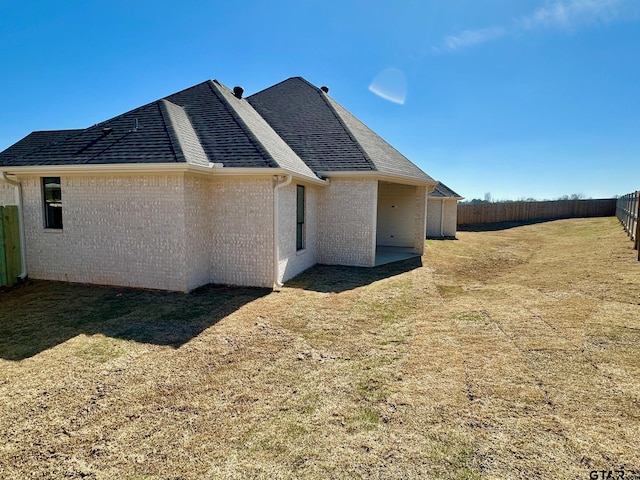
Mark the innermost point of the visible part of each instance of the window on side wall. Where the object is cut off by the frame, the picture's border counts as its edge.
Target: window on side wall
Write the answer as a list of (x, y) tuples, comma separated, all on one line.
[(52, 195), (300, 243)]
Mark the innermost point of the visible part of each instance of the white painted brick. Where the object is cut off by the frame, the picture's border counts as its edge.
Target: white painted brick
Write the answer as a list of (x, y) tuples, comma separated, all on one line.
[(180, 231), (7, 194), (347, 212), (291, 261)]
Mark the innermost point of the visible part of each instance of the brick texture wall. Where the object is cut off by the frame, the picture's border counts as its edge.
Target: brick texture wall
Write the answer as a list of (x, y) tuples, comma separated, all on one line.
[(242, 231), (7, 194), (181, 231), (420, 219), (118, 230), (173, 232), (434, 213), (347, 220), (292, 262)]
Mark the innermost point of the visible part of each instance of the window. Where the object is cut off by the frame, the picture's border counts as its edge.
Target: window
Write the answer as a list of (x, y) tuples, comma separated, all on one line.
[(299, 217), (52, 194)]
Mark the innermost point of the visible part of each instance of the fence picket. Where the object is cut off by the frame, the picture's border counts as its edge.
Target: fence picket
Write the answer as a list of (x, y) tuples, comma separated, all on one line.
[(470, 214), (627, 211)]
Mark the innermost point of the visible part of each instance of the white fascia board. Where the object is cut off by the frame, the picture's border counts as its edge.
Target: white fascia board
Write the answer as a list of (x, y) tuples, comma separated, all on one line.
[(434, 197), (238, 171), (88, 169), (150, 169), (385, 177)]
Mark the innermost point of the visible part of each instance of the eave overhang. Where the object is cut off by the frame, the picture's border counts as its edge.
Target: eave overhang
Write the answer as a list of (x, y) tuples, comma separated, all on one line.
[(384, 177), (151, 169)]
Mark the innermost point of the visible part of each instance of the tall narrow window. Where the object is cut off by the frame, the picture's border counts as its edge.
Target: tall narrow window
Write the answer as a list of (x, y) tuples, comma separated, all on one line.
[(52, 194), (299, 217)]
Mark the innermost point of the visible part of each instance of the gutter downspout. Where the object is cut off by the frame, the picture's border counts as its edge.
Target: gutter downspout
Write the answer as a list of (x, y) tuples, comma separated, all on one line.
[(23, 242), (280, 181)]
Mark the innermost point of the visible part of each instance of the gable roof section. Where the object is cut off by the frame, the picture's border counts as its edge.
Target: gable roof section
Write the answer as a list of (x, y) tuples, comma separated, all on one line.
[(325, 135), (442, 191)]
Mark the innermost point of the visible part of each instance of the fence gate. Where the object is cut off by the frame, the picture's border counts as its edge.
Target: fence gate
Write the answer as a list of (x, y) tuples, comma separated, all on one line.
[(10, 264)]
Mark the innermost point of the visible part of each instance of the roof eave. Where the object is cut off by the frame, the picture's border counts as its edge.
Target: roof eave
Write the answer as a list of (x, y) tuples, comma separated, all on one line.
[(377, 175), (453, 197), (152, 168)]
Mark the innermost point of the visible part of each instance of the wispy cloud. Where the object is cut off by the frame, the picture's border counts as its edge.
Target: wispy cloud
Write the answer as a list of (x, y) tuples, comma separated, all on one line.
[(473, 37), (560, 14), (572, 14)]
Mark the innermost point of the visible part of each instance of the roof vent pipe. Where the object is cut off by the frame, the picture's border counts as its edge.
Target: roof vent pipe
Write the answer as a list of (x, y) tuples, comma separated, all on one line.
[(325, 89), (238, 91)]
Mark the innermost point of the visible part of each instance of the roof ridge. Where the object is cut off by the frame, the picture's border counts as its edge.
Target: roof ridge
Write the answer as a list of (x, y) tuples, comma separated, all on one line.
[(241, 123), (174, 141), (59, 130)]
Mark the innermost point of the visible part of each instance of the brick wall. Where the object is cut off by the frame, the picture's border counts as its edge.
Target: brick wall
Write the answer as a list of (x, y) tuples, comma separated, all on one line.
[(449, 221), (292, 262), (420, 219), (7, 194), (347, 220), (173, 232), (198, 211), (450, 218), (242, 231), (180, 231), (118, 230)]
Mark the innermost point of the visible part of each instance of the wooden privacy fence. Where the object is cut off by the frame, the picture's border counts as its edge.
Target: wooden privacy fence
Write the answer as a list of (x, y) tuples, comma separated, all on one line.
[(479, 213), (10, 264), (627, 210)]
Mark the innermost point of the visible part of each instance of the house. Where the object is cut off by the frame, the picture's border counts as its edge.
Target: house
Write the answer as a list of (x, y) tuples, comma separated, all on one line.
[(206, 186), (442, 212)]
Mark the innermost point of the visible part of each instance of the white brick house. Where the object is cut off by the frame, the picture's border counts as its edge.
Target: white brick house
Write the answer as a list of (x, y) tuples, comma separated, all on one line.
[(204, 186)]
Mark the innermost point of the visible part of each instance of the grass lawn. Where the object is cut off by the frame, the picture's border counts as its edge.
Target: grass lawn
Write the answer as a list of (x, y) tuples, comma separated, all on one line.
[(503, 354)]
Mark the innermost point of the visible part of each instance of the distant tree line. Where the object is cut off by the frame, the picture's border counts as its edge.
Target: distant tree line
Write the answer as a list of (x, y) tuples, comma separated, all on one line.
[(489, 199)]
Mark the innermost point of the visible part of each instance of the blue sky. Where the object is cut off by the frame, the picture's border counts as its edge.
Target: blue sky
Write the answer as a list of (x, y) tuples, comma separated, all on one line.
[(526, 98)]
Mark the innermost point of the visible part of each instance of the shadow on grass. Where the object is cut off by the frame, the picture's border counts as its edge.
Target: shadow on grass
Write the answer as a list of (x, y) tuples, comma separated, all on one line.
[(494, 227), (332, 278), (40, 315)]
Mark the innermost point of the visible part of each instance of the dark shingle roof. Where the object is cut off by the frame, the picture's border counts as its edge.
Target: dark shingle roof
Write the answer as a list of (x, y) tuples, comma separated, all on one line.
[(202, 124), (292, 125), (35, 141), (113, 141), (442, 191), (324, 134)]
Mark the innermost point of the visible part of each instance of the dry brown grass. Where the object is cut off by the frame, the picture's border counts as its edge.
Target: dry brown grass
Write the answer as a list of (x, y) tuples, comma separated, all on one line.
[(509, 354)]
